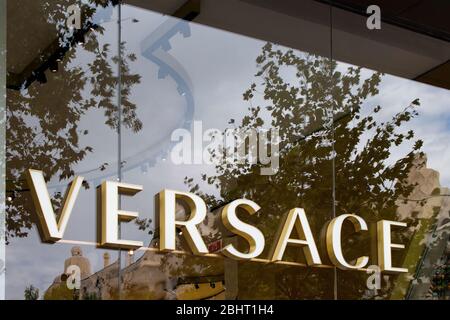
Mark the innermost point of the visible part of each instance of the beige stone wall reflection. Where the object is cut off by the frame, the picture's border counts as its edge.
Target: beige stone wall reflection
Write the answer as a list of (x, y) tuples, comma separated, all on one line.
[(429, 207)]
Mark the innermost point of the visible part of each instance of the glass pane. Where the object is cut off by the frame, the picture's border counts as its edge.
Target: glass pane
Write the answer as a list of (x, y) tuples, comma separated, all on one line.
[(314, 114), (198, 88), (61, 120), (391, 146)]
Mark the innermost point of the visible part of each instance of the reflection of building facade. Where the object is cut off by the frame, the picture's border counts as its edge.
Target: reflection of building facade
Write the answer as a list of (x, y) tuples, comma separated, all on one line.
[(143, 279), (152, 276), (428, 253), (161, 276), (429, 206)]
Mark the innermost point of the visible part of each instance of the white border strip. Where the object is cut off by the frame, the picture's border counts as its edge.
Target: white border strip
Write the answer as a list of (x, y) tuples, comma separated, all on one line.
[(2, 145)]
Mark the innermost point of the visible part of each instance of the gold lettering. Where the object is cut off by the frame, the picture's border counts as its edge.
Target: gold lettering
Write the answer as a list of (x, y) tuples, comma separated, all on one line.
[(385, 246), (51, 231), (167, 203), (251, 234), (334, 241), (111, 215), (297, 218)]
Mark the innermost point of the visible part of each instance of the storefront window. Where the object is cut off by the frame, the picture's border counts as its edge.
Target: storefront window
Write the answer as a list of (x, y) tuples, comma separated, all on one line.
[(177, 97)]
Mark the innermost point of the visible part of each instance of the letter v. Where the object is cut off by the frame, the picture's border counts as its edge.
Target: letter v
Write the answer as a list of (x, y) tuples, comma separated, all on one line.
[(51, 231)]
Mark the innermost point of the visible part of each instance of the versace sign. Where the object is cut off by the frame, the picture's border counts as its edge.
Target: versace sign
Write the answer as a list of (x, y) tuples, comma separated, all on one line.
[(296, 220)]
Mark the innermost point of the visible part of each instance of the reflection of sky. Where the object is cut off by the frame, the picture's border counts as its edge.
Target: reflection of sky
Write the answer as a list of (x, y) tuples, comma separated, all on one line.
[(221, 66), (432, 124)]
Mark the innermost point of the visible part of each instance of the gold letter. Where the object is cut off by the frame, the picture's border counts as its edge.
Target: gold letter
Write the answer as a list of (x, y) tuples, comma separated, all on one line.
[(385, 245), (297, 217), (112, 215), (334, 246), (51, 231), (254, 237), (167, 228)]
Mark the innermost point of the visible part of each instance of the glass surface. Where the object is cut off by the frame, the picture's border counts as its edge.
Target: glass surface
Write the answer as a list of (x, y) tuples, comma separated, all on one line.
[(197, 82), (61, 119), (391, 154), (333, 126)]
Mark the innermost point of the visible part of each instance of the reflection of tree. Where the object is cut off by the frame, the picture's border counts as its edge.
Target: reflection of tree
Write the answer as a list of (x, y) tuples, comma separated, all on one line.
[(440, 283), (59, 292), (42, 120), (31, 293), (301, 95)]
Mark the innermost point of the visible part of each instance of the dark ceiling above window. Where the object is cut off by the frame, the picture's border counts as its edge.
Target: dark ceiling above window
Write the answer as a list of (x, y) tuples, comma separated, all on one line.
[(414, 42), (431, 17)]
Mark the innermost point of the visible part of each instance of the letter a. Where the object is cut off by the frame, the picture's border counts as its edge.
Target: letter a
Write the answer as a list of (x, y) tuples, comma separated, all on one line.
[(374, 20), (297, 218)]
